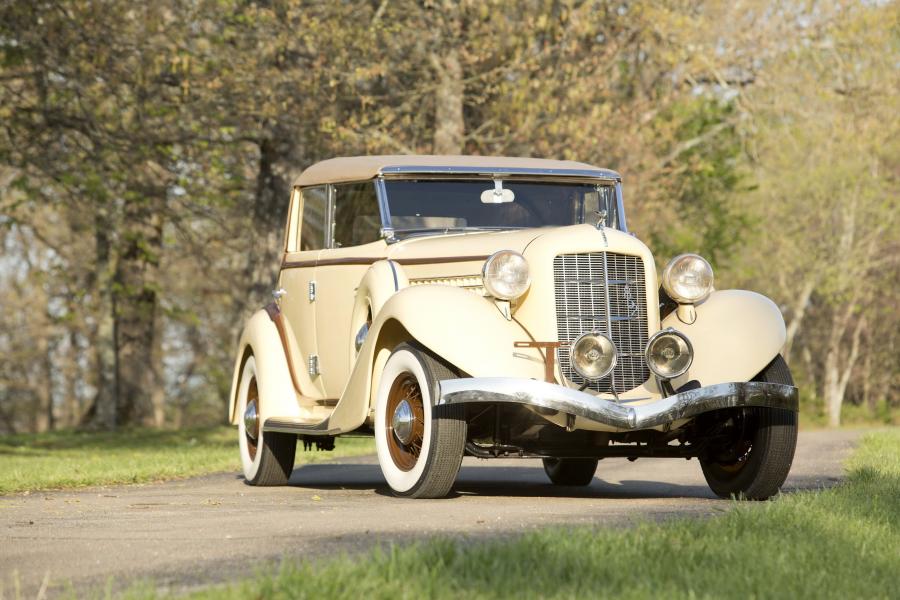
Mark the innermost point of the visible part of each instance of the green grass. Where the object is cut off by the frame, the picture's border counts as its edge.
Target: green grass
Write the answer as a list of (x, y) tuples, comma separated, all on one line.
[(69, 459), (813, 416), (839, 543)]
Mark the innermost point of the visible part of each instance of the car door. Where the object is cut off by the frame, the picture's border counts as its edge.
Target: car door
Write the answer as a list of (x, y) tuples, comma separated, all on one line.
[(355, 243), (307, 232)]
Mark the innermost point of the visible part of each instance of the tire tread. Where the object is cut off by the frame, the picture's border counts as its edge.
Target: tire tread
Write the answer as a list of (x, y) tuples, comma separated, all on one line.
[(448, 432), (277, 462), (775, 442), (570, 471)]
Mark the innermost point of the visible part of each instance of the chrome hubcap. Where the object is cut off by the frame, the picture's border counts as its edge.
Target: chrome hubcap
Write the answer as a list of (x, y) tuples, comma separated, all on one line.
[(251, 420), (402, 422)]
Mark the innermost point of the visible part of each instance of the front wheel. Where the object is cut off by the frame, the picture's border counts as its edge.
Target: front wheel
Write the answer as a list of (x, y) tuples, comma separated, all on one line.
[(267, 458), (570, 471), (420, 445), (755, 457)]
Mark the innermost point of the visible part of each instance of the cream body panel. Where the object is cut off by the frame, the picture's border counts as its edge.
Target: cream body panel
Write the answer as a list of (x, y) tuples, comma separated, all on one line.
[(473, 243), (277, 397), (300, 317), (463, 329), (735, 335), (336, 290), (381, 281), (536, 310)]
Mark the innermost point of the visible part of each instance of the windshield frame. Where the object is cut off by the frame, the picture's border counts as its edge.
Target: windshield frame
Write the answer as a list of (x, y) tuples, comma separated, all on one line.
[(390, 234)]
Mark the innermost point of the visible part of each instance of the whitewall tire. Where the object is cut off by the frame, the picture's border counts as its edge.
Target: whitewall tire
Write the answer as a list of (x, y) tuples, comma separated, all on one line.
[(267, 458), (420, 446)]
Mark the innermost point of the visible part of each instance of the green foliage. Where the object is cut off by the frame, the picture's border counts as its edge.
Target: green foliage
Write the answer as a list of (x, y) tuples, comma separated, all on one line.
[(147, 152), (705, 175)]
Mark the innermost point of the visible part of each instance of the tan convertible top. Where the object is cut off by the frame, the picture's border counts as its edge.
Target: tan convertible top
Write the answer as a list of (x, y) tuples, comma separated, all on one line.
[(359, 168)]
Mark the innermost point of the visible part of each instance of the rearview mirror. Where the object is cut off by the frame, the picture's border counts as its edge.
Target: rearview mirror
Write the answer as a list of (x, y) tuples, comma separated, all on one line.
[(498, 195)]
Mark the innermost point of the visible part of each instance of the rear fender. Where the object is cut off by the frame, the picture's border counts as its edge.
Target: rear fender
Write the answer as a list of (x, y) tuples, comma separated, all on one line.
[(277, 396)]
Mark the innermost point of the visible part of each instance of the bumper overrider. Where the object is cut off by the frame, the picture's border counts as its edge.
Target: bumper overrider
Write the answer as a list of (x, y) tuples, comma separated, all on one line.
[(684, 405)]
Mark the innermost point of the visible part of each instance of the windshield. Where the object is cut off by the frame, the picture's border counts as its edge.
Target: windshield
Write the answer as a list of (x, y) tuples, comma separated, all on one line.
[(420, 206)]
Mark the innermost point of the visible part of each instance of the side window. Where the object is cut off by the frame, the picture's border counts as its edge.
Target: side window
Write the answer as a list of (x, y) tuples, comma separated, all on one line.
[(356, 216), (315, 215)]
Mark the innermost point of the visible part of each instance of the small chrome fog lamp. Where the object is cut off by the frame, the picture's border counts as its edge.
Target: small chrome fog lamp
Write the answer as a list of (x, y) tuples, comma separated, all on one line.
[(669, 354), (593, 355)]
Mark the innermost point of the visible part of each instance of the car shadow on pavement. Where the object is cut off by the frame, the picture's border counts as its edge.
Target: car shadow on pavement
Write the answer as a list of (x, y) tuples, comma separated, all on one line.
[(493, 481)]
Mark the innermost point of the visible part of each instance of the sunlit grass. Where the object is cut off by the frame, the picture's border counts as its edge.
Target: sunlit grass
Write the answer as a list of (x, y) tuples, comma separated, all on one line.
[(73, 459), (838, 543)]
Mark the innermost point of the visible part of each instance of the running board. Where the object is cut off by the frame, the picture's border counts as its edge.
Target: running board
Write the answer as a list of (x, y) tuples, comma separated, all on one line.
[(300, 427)]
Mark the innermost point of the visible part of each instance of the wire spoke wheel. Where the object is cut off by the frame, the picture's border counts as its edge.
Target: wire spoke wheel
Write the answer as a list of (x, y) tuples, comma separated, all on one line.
[(405, 397), (251, 433), (420, 443)]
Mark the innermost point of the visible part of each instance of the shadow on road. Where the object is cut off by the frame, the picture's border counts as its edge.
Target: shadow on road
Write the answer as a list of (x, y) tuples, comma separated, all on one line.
[(486, 481)]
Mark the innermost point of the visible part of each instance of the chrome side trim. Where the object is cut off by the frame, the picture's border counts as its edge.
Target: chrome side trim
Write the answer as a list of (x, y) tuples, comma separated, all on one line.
[(621, 416), (620, 208), (329, 217), (387, 229), (612, 372), (394, 272)]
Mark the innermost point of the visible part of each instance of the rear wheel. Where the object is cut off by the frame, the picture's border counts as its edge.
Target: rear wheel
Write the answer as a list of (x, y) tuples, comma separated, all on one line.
[(755, 457), (420, 446), (570, 471), (267, 458)]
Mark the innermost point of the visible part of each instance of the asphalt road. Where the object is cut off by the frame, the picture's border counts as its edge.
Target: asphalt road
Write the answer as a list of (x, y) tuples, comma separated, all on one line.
[(210, 529)]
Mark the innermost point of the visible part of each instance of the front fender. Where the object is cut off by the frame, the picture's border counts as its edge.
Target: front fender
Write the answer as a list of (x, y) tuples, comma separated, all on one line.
[(277, 397), (462, 328), (736, 333), (381, 281)]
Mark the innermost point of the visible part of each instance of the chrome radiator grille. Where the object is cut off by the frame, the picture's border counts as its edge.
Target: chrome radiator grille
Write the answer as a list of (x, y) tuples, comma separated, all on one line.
[(606, 292)]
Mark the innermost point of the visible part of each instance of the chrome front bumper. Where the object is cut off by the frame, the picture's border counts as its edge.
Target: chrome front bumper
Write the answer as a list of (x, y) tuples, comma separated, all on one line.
[(551, 396)]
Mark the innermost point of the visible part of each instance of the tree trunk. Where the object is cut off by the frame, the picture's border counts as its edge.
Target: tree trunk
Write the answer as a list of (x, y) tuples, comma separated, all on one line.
[(837, 376), (43, 415), (72, 411), (136, 309), (797, 314), (832, 394), (158, 391), (449, 127), (101, 414), (273, 189)]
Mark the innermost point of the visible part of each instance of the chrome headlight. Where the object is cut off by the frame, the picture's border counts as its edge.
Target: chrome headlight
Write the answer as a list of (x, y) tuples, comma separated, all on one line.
[(506, 275), (593, 355), (688, 278), (669, 354)]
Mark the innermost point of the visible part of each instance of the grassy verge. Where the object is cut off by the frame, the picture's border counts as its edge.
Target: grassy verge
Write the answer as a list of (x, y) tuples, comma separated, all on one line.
[(839, 543), (70, 459)]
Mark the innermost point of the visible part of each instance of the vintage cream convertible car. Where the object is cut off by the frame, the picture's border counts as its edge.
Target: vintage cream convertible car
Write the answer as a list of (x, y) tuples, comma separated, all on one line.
[(498, 307)]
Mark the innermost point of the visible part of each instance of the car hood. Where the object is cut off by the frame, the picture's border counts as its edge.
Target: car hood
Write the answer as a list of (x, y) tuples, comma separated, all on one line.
[(458, 259), (556, 240), (471, 243)]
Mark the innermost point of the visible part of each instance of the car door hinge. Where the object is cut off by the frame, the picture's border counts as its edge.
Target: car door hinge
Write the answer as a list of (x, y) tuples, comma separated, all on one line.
[(313, 364), (312, 291)]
